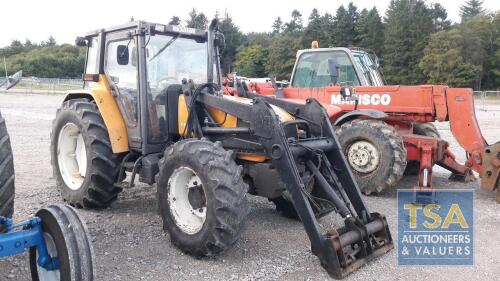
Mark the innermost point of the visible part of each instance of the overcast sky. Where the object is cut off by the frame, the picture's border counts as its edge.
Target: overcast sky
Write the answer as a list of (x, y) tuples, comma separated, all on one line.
[(66, 19)]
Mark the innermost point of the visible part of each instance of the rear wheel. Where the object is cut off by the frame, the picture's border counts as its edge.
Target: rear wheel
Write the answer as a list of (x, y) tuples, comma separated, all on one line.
[(84, 165), (422, 129), (375, 153), (201, 196), (67, 239), (6, 173)]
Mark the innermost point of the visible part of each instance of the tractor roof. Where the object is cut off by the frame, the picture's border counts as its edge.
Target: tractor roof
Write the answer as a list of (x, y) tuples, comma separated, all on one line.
[(155, 27)]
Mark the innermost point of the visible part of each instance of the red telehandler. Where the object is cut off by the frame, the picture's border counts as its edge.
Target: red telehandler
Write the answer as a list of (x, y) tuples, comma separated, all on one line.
[(385, 130)]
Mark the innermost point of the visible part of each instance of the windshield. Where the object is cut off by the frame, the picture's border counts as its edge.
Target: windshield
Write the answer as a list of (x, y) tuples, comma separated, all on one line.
[(320, 69), (172, 58), (369, 69), (169, 60)]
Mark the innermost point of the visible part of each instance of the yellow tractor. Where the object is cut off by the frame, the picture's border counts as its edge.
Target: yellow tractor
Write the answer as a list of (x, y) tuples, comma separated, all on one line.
[(152, 106)]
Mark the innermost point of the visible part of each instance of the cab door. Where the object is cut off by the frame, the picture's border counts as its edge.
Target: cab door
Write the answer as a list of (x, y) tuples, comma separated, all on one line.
[(121, 68)]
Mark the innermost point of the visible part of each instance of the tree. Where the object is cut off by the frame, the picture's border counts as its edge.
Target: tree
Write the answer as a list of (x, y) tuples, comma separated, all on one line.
[(277, 25), (443, 62), (471, 8), (439, 17), (175, 20), (46, 60), (49, 43), (234, 39), (344, 32), (314, 30), (295, 25), (196, 20), (281, 58), (466, 55), (409, 24), (251, 61), (370, 31)]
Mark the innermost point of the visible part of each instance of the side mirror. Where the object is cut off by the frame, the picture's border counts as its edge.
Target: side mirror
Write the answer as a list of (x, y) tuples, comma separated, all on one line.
[(122, 55), (81, 41), (13, 80), (333, 68)]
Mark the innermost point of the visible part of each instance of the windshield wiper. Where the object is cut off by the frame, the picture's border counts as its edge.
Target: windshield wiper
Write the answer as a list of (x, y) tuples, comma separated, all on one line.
[(165, 47)]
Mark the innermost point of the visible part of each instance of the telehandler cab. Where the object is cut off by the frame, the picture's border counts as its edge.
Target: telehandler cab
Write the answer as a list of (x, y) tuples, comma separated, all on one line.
[(152, 106)]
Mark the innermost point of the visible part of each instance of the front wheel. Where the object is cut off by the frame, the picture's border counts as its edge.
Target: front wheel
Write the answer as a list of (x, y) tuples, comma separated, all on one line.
[(67, 239), (375, 152), (201, 196)]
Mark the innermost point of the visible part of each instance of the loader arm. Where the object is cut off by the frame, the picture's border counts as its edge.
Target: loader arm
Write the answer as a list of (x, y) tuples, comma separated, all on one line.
[(365, 235)]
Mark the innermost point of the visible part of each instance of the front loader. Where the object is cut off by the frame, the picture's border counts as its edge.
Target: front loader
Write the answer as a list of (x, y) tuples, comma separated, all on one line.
[(152, 107)]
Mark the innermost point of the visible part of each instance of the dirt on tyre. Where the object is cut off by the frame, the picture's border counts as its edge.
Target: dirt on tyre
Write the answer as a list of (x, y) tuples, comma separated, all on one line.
[(83, 162), (7, 190), (202, 197), (422, 129), (375, 152), (67, 239)]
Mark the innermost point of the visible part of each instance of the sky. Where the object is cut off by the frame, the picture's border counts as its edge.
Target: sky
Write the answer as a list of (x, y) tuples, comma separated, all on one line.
[(66, 19)]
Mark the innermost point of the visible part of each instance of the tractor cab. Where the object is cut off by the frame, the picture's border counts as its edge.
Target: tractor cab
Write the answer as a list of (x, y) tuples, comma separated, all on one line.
[(143, 62), (321, 67)]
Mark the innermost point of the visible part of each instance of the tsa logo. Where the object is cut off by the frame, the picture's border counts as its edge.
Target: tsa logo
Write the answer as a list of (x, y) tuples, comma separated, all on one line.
[(364, 99), (438, 233)]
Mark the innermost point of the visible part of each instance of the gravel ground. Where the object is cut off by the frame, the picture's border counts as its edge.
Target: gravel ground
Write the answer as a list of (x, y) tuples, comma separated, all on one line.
[(130, 244)]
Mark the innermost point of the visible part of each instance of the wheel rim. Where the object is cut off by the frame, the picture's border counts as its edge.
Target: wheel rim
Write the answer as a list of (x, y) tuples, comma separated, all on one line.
[(187, 201), (44, 274), (72, 156), (363, 157)]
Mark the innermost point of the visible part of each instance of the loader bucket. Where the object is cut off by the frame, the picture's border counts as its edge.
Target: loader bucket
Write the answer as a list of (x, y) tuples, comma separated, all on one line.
[(356, 244), (490, 173)]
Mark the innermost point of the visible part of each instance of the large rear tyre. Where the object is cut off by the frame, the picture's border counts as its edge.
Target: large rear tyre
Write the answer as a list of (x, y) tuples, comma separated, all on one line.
[(67, 239), (422, 129), (201, 196), (375, 152), (7, 190), (83, 162)]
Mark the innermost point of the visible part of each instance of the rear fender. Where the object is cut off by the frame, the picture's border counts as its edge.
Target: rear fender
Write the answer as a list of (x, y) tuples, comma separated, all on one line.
[(100, 92)]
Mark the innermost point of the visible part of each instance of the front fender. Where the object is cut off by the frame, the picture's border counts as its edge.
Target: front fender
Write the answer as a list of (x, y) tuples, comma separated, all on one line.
[(355, 114)]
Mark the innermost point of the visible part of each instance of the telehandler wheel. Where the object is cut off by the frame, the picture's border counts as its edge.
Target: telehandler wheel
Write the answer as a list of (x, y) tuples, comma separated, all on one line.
[(84, 165), (422, 129), (375, 153), (6, 173), (67, 239), (201, 196)]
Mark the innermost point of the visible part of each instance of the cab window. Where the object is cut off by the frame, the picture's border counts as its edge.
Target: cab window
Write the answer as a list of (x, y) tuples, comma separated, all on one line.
[(321, 69), (121, 69)]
